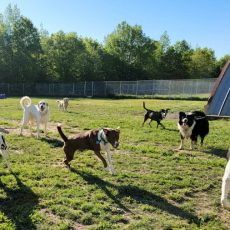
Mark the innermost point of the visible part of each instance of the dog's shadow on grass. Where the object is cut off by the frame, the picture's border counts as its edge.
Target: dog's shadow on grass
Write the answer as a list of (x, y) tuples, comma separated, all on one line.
[(138, 194), (171, 130), (73, 112), (53, 142), (19, 204), (91, 179), (217, 152)]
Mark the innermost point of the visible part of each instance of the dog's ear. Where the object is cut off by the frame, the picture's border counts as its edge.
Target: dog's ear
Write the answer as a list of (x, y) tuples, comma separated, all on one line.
[(105, 131), (118, 129), (181, 115)]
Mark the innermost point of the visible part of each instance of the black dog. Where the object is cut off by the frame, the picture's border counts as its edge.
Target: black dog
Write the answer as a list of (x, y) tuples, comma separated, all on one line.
[(155, 115), (192, 125)]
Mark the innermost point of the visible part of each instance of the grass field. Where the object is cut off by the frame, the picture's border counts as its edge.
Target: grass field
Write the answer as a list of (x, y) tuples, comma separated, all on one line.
[(155, 187)]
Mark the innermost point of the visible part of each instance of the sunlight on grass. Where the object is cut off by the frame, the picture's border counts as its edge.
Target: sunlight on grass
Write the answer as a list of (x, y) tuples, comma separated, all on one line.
[(155, 186)]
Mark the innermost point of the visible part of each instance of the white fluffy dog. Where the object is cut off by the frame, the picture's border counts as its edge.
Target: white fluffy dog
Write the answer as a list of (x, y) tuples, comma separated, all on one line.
[(226, 184), (63, 104), (38, 114), (3, 146)]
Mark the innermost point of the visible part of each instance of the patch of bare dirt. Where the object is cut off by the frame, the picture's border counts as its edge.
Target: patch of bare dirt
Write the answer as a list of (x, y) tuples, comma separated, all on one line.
[(78, 226), (224, 215), (206, 204), (51, 127), (172, 116), (57, 219)]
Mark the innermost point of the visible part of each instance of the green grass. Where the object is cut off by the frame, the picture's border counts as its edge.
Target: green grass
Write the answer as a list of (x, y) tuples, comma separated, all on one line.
[(194, 97), (155, 186)]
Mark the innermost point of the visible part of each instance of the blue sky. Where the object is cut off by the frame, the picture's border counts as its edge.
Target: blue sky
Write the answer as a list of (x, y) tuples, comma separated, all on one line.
[(202, 23)]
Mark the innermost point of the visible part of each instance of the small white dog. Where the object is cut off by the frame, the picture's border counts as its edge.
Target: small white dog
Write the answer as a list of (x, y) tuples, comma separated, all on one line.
[(226, 184), (63, 104), (38, 114), (4, 150)]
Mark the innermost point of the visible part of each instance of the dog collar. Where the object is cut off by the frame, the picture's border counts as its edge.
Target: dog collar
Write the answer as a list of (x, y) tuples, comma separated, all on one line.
[(101, 137)]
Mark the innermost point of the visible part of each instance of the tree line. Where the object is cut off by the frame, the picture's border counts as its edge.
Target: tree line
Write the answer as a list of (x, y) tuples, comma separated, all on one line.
[(28, 54)]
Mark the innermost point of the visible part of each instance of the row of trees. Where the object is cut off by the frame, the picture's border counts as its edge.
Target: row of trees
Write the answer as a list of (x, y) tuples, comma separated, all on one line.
[(31, 55)]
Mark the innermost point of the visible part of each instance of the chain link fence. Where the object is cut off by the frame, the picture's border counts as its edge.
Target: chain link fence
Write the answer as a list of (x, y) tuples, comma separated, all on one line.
[(153, 88)]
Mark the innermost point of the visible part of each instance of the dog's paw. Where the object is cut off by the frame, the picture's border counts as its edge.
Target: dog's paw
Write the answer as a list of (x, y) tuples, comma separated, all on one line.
[(225, 204), (113, 172), (106, 169), (69, 168), (178, 149)]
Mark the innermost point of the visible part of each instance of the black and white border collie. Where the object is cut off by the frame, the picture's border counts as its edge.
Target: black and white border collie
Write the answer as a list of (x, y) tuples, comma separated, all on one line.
[(191, 125)]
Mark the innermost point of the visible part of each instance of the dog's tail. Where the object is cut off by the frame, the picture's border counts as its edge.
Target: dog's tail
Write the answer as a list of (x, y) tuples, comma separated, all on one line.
[(25, 101), (63, 136), (144, 106)]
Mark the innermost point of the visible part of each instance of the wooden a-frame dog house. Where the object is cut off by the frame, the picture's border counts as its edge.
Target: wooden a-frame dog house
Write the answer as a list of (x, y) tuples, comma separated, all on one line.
[(219, 100)]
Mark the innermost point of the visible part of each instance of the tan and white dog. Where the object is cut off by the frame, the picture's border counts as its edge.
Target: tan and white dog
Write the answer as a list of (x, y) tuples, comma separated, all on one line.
[(226, 184), (38, 114), (3, 146), (63, 104)]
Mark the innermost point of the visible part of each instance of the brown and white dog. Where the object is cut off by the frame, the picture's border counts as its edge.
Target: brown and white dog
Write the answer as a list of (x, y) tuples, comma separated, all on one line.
[(3, 147), (38, 114), (95, 140), (226, 184), (63, 104)]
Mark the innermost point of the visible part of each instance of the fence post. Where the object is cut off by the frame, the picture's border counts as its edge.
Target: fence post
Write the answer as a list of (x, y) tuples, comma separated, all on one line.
[(85, 89), (152, 87), (105, 88), (169, 91), (92, 88), (197, 83), (120, 87), (136, 88), (210, 86), (183, 87)]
